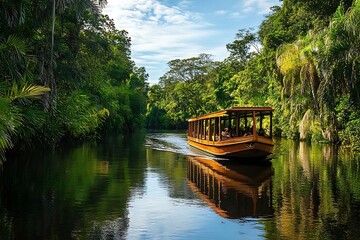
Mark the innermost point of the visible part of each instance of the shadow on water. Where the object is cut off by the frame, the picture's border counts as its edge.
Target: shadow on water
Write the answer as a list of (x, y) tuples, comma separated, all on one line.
[(231, 189)]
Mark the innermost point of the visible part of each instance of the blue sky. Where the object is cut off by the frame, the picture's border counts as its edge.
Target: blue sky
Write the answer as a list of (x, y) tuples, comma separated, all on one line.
[(164, 30)]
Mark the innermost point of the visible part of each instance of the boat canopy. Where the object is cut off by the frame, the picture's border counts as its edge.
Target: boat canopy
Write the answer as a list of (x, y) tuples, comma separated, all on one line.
[(247, 111)]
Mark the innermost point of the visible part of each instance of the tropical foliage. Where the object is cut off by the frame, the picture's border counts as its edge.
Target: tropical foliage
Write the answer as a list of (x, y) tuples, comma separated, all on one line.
[(303, 61), (72, 58)]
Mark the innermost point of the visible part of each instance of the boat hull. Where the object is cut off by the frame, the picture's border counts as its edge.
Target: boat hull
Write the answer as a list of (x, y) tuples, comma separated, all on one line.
[(241, 148)]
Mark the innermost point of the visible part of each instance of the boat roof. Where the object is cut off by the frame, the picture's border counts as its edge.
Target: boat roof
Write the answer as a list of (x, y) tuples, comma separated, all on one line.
[(225, 112)]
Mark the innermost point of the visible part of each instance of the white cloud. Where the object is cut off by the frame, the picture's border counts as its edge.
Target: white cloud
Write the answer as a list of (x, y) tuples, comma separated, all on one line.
[(236, 15), (260, 6), (220, 12), (184, 4), (159, 31)]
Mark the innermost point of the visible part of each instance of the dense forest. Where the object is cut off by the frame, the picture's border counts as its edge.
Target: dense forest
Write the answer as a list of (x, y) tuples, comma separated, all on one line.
[(303, 61), (67, 72)]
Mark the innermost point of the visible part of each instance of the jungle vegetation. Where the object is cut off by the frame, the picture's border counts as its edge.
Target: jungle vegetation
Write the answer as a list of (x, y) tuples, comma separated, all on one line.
[(67, 72), (303, 61)]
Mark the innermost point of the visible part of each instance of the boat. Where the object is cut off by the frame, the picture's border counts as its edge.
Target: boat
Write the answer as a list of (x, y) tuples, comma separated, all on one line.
[(231, 189), (237, 132)]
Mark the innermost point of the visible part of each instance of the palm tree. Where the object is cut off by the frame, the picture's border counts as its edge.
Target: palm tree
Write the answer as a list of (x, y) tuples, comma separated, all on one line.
[(15, 92), (339, 67), (298, 63), (11, 117)]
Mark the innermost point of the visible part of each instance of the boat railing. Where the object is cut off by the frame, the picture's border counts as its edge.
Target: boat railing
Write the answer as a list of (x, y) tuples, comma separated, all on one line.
[(216, 138)]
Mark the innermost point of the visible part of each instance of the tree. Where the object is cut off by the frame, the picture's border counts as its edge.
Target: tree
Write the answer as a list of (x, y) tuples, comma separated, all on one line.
[(240, 49), (184, 91), (97, 84), (339, 90)]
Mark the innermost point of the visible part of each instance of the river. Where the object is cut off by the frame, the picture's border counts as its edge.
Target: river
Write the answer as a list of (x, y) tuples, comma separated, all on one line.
[(152, 186)]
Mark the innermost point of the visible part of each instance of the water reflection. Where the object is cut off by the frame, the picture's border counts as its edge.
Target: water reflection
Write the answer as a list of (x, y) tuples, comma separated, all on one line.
[(145, 187), (233, 190), (76, 193), (315, 192)]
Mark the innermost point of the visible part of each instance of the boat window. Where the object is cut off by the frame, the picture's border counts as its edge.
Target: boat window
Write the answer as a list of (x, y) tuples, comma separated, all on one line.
[(263, 124)]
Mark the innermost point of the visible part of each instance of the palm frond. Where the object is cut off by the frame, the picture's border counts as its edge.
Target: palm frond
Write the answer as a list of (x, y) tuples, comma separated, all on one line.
[(352, 20), (17, 43), (34, 117), (5, 141), (27, 92), (288, 58), (13, 58)]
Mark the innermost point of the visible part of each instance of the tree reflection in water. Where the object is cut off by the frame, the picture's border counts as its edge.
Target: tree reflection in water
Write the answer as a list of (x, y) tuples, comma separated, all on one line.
[(107, 190), (315, 192)]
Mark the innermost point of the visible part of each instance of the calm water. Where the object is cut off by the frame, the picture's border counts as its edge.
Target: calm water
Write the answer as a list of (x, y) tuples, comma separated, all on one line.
[(152, 186)]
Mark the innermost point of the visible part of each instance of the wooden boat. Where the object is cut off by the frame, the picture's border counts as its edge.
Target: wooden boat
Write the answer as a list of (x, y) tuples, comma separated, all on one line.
[(238, 132)]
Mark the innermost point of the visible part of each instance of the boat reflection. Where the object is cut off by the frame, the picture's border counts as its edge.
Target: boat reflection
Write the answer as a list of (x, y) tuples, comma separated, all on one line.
[(233, 190)]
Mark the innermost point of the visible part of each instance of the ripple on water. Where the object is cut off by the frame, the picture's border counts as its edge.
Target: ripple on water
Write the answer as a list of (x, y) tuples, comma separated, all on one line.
[(174, 142)]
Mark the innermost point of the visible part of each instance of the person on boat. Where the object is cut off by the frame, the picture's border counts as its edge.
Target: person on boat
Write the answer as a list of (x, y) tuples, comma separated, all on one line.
[(261, 132), (225, 134), (249, 131)]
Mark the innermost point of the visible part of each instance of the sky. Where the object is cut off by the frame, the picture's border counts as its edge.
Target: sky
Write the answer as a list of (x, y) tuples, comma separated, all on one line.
[(164, 30)]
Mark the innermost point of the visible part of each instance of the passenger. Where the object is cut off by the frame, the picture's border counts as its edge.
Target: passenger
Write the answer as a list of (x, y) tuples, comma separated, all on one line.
[(261, 132), (248, 132), (225, 134)]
